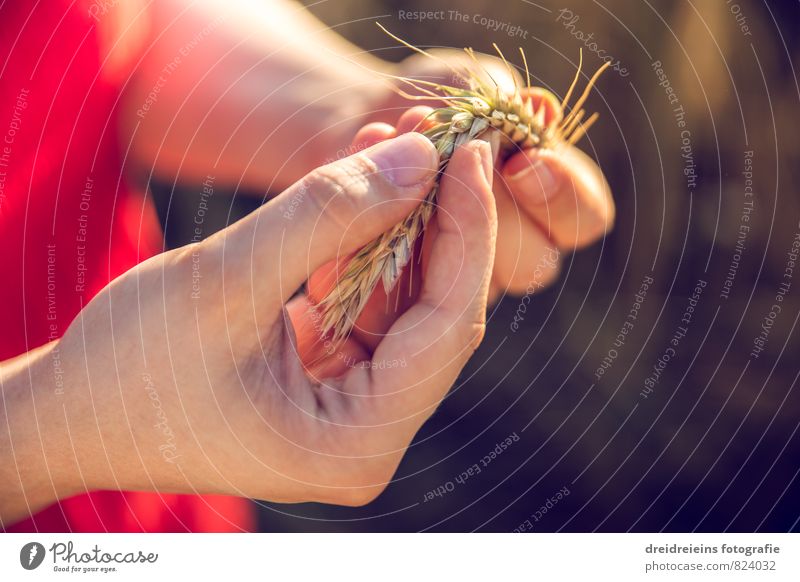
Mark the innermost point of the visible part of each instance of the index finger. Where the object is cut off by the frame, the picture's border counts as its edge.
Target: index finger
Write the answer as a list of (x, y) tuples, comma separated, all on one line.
[(439, 333)]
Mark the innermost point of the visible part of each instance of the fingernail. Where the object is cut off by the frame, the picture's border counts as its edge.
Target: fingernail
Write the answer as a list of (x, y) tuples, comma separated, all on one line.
[(535, 180), (487, 160), (492, 137), (406, 160)]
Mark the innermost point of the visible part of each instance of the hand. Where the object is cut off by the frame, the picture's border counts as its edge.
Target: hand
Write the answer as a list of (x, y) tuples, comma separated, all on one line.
[(184, 375), (549, 202)]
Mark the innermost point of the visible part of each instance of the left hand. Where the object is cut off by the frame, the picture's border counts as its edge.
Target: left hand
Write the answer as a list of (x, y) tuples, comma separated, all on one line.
[(549, 201)]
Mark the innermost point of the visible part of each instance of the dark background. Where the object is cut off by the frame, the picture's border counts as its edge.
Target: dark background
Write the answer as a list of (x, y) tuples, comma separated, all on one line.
[(715, 446)]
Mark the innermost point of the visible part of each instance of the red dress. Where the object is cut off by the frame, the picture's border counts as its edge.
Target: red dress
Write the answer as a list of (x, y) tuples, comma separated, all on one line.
[(69, 224)]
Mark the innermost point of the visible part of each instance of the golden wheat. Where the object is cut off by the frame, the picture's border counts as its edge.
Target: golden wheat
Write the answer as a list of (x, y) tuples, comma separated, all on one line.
[(467, 114)]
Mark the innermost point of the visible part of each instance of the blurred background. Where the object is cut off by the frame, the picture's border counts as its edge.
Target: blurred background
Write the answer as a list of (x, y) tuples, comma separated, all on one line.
[(600, 433)]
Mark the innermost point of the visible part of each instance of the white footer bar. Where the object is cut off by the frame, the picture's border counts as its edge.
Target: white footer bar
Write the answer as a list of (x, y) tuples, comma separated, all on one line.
[(401, 557)]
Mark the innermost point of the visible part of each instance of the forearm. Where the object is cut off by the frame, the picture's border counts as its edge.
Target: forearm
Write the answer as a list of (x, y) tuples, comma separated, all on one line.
[(85, 412), (36, 467), (246, 90)]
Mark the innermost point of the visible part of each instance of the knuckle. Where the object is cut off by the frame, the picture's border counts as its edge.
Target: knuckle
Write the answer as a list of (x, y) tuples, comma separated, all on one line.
[(349, 176), (359, 496), (361, 483), (340, 190), (465, 332), (356, 471), (475, 333)]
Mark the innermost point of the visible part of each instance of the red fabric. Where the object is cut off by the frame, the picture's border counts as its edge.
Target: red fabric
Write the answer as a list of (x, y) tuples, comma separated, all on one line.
[(69, 224)]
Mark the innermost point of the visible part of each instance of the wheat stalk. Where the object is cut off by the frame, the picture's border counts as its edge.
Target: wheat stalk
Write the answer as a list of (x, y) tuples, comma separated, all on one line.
[(467, 114)]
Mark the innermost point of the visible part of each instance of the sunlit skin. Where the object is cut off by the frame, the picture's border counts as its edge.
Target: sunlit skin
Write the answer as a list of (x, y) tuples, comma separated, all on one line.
[(237, 375)]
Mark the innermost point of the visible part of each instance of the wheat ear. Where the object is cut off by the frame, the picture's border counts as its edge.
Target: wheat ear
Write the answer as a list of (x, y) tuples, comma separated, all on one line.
[(467, 113)]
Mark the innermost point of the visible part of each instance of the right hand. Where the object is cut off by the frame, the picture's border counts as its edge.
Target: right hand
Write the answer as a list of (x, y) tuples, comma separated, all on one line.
[(209, 395)]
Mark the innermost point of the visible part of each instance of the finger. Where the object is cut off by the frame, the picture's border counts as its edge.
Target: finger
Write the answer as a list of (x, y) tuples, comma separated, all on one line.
[(439, 333), (381, 310), (526, 259), (540, 97), (333, 211), (319, 356), (564, 191), (371, 134), (415, 119)]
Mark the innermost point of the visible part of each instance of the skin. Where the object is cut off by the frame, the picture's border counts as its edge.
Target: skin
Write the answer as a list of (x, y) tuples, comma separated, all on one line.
[(318, 91), (227, 372), (250, 402)]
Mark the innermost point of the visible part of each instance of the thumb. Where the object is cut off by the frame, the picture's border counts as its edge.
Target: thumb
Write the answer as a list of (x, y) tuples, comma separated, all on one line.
[(338, 208)]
